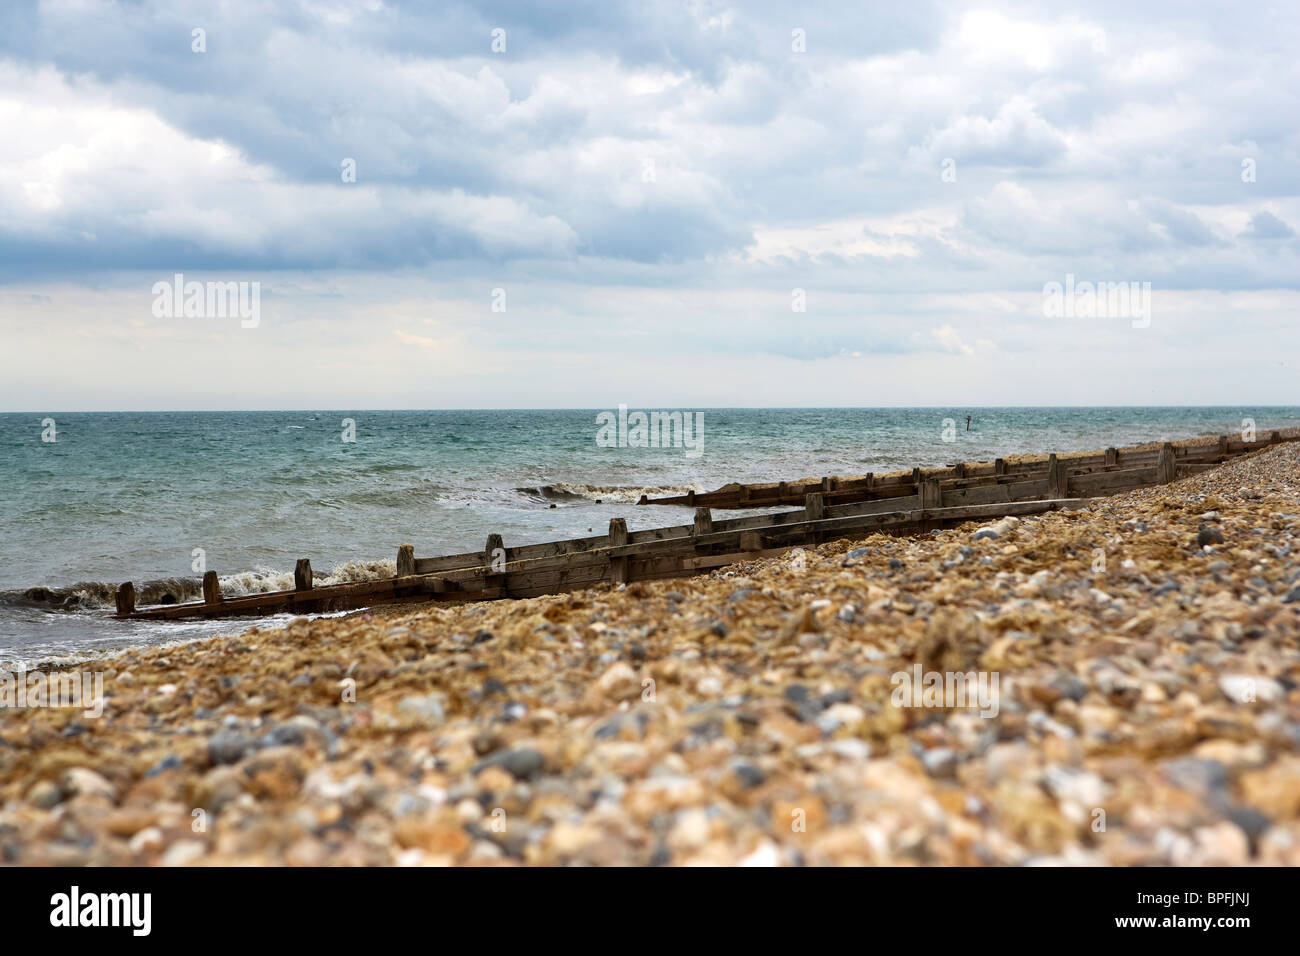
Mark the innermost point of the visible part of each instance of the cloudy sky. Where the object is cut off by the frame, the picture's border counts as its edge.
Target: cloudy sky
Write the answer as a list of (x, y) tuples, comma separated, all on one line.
[(646, 193)]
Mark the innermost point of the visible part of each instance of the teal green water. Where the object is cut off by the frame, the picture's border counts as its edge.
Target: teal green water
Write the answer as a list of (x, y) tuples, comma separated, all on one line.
[(130, 496)]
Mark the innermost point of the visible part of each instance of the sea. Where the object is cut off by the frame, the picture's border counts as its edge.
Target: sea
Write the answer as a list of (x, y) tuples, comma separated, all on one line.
[(89, 500)]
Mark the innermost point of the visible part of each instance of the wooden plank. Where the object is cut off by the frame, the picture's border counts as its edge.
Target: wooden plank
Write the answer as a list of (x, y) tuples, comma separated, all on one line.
[(447, 562), (873, 507), (1112, 482), (474, 559), (658, 534), (709, 561), (535, 582), (988, 494), (333, 597), (854, 523)]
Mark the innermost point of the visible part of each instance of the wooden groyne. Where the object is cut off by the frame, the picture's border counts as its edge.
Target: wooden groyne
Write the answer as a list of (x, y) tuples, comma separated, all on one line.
[(901, 503), (1088, 473)]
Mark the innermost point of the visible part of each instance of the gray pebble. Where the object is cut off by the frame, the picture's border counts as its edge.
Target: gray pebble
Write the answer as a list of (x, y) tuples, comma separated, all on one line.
[(1208, 535), (522, 763), (940, 762), (1207, 778), (170, 762), (855, 557), (230, 746), (749, 775)]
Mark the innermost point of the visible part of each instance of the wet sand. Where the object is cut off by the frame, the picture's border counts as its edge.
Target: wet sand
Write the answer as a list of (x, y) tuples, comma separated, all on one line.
[(1145, 654)]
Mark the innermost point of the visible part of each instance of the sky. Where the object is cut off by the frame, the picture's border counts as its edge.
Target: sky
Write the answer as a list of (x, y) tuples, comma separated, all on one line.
[(664, 205)]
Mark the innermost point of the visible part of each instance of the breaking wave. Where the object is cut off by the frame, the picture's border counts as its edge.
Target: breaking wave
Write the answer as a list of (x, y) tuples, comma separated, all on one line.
[(566, 491)]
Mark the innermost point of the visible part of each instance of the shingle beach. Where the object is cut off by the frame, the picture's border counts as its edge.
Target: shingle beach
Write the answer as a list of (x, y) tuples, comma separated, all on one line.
[(1143, 656)]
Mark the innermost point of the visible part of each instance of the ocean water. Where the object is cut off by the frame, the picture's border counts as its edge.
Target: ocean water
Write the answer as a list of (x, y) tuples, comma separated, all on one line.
[(131, 496)]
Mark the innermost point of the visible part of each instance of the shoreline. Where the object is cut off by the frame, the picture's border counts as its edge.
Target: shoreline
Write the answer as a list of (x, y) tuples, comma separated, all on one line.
[(1122, 691)]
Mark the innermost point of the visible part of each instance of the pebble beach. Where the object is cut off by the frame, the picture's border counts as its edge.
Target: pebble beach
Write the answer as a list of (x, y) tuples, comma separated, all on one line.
[(1144, 654)]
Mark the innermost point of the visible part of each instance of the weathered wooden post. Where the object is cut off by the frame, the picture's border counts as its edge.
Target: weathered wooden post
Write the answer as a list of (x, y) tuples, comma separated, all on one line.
[(1165, 464), (1222, 449), (1058, 481), (211, 588), (126, 599), (931, 496), (814, 509), (1112, 457), (618, 538), (494, 563), (999, 466), (494, 555), (302, 575), (405, 560), (959, 470), (703, 522)]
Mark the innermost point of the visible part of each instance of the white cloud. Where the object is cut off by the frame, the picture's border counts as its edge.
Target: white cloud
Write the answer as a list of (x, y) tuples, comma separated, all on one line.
[(950, 341)]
